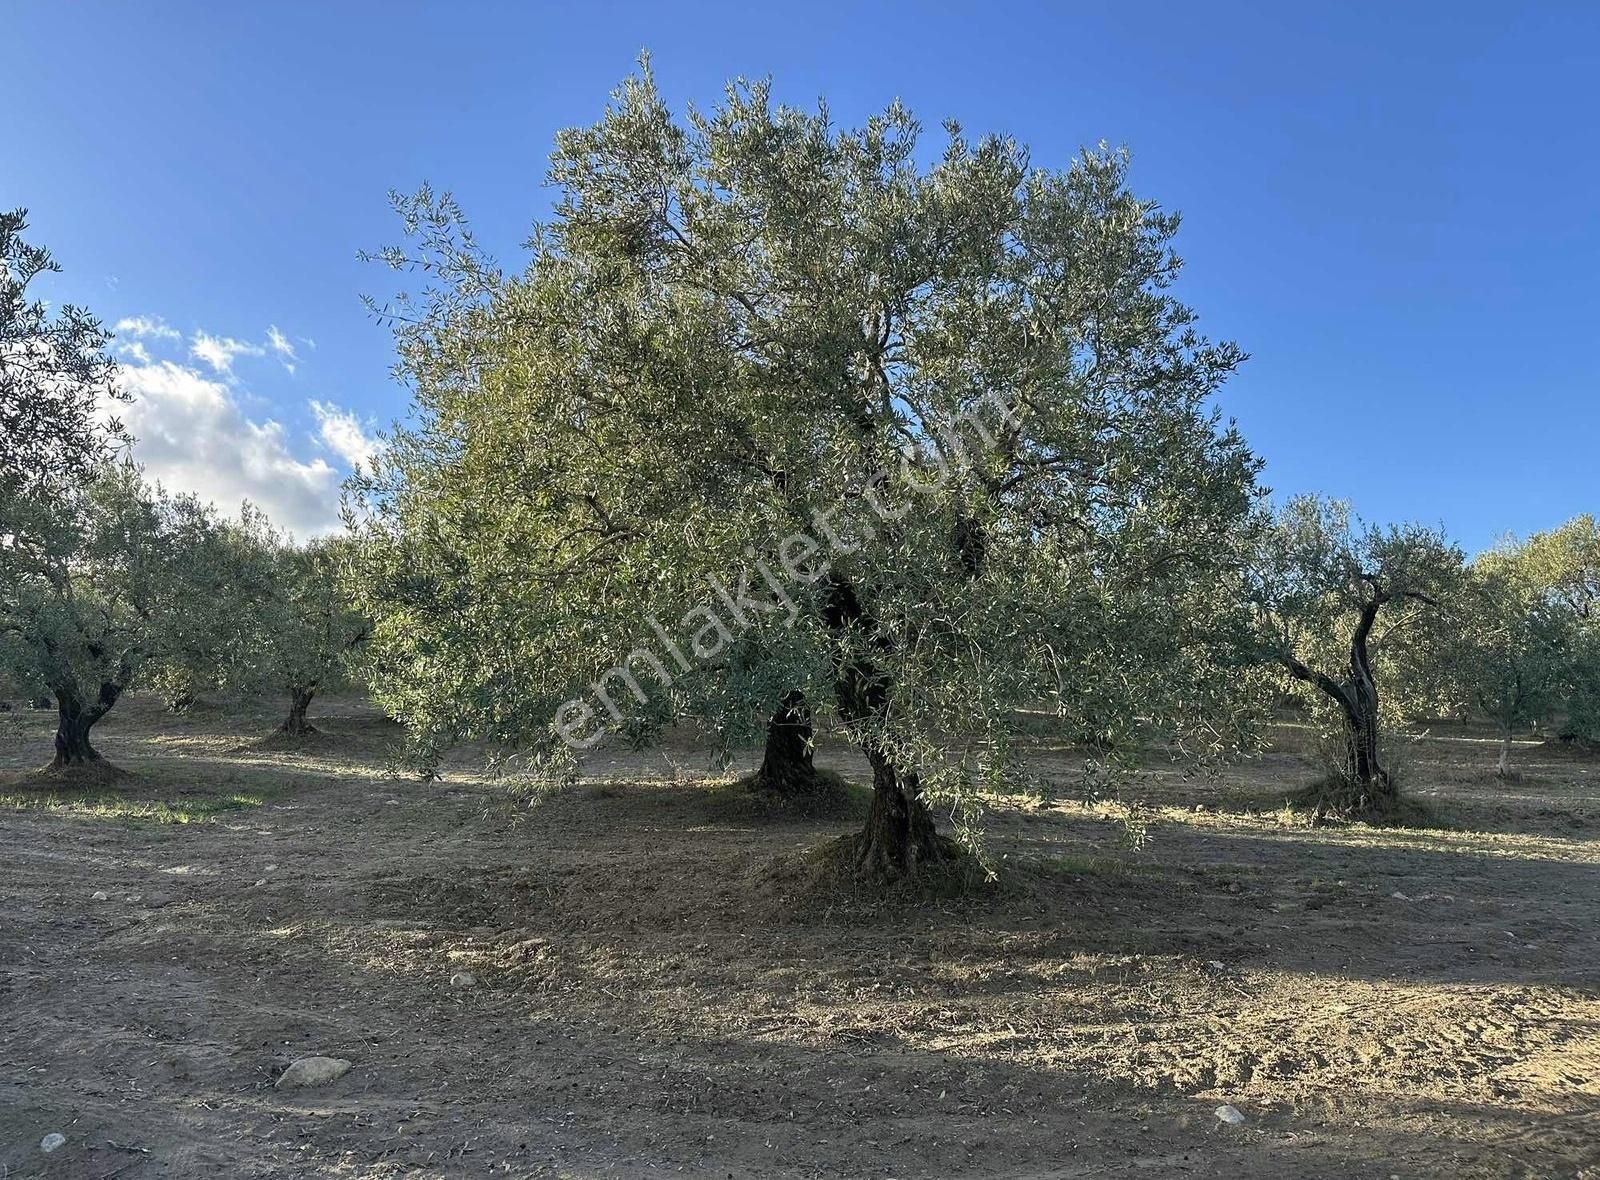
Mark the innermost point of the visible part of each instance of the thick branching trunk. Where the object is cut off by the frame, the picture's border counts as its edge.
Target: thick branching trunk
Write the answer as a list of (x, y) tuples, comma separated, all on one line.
[(899, 839), (296, 725), (75, 717), (1362, 767), (787, 767)]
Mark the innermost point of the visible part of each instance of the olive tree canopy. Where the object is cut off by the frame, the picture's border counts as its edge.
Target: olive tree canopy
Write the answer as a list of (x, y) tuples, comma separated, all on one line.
[(782, 408)]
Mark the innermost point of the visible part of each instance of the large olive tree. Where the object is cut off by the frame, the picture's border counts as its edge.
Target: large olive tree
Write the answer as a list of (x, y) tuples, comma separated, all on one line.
[(101, 576), (777, 414)]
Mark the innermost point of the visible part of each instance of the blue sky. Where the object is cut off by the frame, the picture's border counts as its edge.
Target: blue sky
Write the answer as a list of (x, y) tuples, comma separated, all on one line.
[(1394, 209)]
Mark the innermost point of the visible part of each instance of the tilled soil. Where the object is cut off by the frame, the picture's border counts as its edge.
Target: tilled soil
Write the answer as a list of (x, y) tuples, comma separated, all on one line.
[(663, 986)]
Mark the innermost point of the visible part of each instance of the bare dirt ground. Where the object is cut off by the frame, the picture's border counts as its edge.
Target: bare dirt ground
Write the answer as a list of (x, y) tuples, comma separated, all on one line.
[(661, 991)]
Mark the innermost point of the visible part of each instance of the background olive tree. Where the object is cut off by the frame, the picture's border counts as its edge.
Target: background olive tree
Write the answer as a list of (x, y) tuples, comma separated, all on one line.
[(1516, 643), (133, 578), (1565, 563), (1353, 612), (298, 632)]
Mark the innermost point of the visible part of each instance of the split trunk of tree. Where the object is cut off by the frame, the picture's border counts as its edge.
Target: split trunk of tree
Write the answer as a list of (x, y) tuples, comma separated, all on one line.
[(1357, 698), (75, 717), (1361, 714), (296, 725), (787, 767), (899, 839), (1362, 767)]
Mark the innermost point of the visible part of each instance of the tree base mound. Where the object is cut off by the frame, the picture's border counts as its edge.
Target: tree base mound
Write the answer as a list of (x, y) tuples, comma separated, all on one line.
[(1337, 799), (825, 795), (287, 739), (76, 775), (826, 875)]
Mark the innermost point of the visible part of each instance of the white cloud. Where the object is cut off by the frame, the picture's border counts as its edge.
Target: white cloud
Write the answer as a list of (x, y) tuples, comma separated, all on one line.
[(136, 350), (344, 434), (193, 436), (280, 345), (148, 326), (219, 351)]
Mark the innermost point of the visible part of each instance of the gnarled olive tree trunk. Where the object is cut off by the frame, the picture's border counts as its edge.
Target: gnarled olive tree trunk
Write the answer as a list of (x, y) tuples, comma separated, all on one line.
[(1502, 766), (787, 767), (296, 725), (899, 839), (75, 717), (1357, 698)]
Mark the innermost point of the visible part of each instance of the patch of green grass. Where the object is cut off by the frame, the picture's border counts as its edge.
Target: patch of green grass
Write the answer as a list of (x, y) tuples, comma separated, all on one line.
[(113, 804)]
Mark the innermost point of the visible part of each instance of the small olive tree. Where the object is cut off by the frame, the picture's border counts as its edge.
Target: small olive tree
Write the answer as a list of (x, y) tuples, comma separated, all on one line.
[(1565, 563), (299, 631), (1516, 640), (1342, 606)]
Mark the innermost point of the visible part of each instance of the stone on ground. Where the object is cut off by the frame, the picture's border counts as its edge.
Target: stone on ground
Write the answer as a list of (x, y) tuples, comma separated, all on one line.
[(314, 1071)]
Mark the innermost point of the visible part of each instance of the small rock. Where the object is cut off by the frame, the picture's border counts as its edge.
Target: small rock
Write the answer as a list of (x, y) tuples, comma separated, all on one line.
[(272, 868), (314, 1071), (263, 881), (463, 979), (1236, 888), (1217, 965), (52, 1141), (1229, 1114), (134, 897), (99, 895)]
